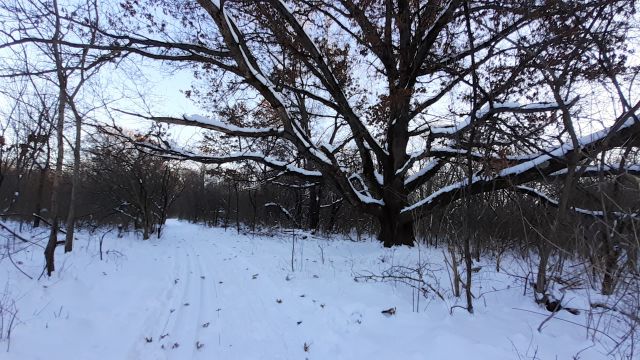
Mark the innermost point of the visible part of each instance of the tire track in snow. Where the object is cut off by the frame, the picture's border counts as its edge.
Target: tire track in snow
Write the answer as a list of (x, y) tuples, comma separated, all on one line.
[(154, 327), (205, 303), (242, 312), (181, 336)]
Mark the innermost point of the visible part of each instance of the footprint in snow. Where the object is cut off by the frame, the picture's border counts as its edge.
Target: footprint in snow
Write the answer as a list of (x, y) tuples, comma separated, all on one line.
[(355, 317)]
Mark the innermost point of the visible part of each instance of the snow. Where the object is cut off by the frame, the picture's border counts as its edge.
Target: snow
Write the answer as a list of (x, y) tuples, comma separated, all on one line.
[(363, 195), (597, 168), (445, 189), (229, 127), (598, 213), (540, 161), (237, 296), (379, 178), (562, 150), (430, 166), (366, 198), (248, 155), (281, 208), (497, 107)]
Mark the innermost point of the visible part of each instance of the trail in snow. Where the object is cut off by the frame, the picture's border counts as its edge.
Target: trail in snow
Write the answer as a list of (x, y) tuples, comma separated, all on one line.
[(202, 293)]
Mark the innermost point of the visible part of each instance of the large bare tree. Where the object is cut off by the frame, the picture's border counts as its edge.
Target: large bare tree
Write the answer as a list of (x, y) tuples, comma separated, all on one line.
[(384, 99), (418, 91)]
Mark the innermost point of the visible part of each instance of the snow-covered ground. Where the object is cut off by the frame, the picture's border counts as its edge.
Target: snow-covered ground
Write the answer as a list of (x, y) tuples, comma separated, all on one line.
[(203, 293)]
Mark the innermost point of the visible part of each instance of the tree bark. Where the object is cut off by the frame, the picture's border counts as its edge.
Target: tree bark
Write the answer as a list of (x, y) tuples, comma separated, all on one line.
[(237, 193), (541, 277), (49, 250), (71, 216), (38, 206), (393, 232), (146, 225), (609, 280), (314, 206)]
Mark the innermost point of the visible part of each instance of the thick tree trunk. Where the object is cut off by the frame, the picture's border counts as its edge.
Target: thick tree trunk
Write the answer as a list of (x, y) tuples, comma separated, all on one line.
[(393, 232), (394, 228)]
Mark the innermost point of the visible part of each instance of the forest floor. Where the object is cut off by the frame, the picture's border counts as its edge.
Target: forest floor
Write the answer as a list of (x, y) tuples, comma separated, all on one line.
[(207, 293)]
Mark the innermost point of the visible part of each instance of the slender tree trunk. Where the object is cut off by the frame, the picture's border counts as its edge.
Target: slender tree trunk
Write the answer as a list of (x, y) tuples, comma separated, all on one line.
[(145, 231), (477, 248), (38, 206), (75, 181), (297, 212), (454, 270), (237, 191), (541, 277), (609, 280), (146, 224), (49, 250), (227, 212), (335, 207), (569, 183), (468, 262), (252, 200), (314, 206), (55, 189)]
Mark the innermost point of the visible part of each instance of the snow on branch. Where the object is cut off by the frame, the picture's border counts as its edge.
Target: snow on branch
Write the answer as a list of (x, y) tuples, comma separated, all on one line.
[(181, 154), (488, 110), (367, 199), (422, 173), (591, 140), (332, 203), (232, 129), (211, 124), (296, 186), (547, 199), (364, 195), (608, 169), (283, 210), (622, 133), (429, 199)]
